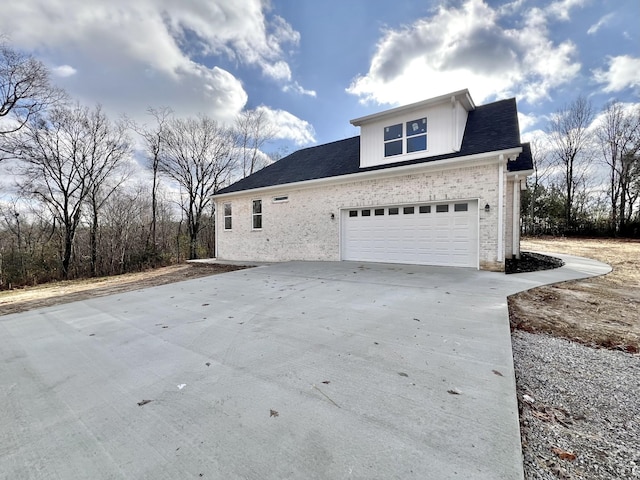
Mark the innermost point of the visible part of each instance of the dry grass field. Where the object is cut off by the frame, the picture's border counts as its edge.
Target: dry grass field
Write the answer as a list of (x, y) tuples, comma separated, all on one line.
[(602, 311), (28, 298)]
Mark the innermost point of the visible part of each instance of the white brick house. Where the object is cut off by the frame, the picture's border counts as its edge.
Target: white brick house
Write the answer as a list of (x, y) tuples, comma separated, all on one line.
[(436, 183)]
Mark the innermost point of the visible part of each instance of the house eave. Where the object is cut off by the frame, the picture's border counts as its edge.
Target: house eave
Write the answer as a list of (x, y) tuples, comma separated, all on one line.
[(520, 173), (461, 95), (496, 157)]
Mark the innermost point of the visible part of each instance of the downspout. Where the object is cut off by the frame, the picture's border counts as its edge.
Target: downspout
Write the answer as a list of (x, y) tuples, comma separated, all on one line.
[(516, 218), (500, 257), (454, 123), (216, 225)]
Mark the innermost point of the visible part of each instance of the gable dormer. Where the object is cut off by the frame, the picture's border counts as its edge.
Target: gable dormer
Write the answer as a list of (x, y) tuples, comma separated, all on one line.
[(419, 130)]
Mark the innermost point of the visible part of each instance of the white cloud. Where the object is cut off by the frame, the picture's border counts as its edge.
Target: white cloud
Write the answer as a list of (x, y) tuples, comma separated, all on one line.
[(628, 108), (600, 23), (511, 7), (468, 47), (150, 52), (562, 8), (295, 87), (278, 71), (534, 136), (623, 72), (289, 127), (64, 71), (526, 121)]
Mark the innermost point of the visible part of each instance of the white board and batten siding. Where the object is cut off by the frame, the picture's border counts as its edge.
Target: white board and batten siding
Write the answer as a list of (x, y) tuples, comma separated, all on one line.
[(443, 234), (445, 128)]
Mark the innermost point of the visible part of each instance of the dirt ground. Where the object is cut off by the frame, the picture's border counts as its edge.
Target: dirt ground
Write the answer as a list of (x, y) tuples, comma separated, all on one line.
[(23, 299), (600, 312)]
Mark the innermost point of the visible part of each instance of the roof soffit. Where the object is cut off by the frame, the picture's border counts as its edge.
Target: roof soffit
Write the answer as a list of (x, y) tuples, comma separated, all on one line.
[(463, 96)]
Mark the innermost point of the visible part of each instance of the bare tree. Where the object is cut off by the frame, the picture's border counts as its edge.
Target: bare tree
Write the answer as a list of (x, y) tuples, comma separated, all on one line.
[(630, 191), (540, 157), (198, 156), (570, 142), (64, 155), (619, 137), (107, 146), (10, 221), (252, 130), (121, 219), (154, 143), (25, 88)]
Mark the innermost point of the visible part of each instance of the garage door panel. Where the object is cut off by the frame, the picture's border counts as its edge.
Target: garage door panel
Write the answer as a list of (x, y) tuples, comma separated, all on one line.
[(443, 236)]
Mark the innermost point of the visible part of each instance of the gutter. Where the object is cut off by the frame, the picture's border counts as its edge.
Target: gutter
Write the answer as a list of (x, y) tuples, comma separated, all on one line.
[(501, 166), (448, 163)]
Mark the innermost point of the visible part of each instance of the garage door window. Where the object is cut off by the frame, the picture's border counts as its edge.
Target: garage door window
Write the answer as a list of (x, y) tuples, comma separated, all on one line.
[(353, 213), (425, 209), (408, 210), (393, 211), (379, 211), (442, 208), (461, 207)]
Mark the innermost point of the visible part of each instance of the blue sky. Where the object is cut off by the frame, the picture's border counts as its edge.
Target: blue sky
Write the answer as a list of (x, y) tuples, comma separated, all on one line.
[(314, 65)]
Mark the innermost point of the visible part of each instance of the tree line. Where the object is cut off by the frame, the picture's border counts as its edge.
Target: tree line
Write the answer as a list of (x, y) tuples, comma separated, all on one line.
[(79, 210), (586, 178)]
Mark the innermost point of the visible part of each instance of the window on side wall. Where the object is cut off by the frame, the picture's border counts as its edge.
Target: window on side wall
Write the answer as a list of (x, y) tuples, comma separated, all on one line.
[(257, 214), (227, 216)]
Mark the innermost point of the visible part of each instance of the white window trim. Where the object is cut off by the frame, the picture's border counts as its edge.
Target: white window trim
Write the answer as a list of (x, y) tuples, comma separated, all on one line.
[(225, 216), (404, 139), (253, 215)]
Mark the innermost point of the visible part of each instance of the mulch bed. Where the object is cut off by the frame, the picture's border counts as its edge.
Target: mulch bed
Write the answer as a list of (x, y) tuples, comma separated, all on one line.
[(531, 262)]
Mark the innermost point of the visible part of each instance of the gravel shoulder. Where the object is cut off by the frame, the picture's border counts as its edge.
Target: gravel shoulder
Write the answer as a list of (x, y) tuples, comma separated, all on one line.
[(576, 378), (579, 409)]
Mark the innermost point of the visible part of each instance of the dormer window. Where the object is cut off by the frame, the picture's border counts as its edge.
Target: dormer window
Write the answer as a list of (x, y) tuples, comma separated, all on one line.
[(416, 137), (393, 140)]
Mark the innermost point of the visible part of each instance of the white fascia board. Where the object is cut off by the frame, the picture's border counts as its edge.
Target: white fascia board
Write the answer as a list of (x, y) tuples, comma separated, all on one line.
[(436, 165), (462, 95), (471, 105), (518, 173)]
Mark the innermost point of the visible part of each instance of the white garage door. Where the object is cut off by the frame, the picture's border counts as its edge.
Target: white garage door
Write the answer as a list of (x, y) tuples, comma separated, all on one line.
[(443, 233)]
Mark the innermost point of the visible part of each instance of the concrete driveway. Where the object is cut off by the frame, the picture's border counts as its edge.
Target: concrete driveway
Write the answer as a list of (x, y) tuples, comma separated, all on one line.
[(299, 370)]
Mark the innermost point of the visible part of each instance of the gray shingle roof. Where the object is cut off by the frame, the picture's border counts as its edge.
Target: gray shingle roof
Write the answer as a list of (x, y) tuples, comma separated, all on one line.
[(489, 128)]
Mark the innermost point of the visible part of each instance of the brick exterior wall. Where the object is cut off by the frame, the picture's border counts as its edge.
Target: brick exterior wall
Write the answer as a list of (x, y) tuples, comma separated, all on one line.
[(307, 225)]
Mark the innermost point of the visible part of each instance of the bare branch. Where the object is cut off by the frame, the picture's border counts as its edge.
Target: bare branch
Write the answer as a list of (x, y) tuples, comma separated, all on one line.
[(68, 156), (252, 130), (25, 89), (570, 142), (198, 157)]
